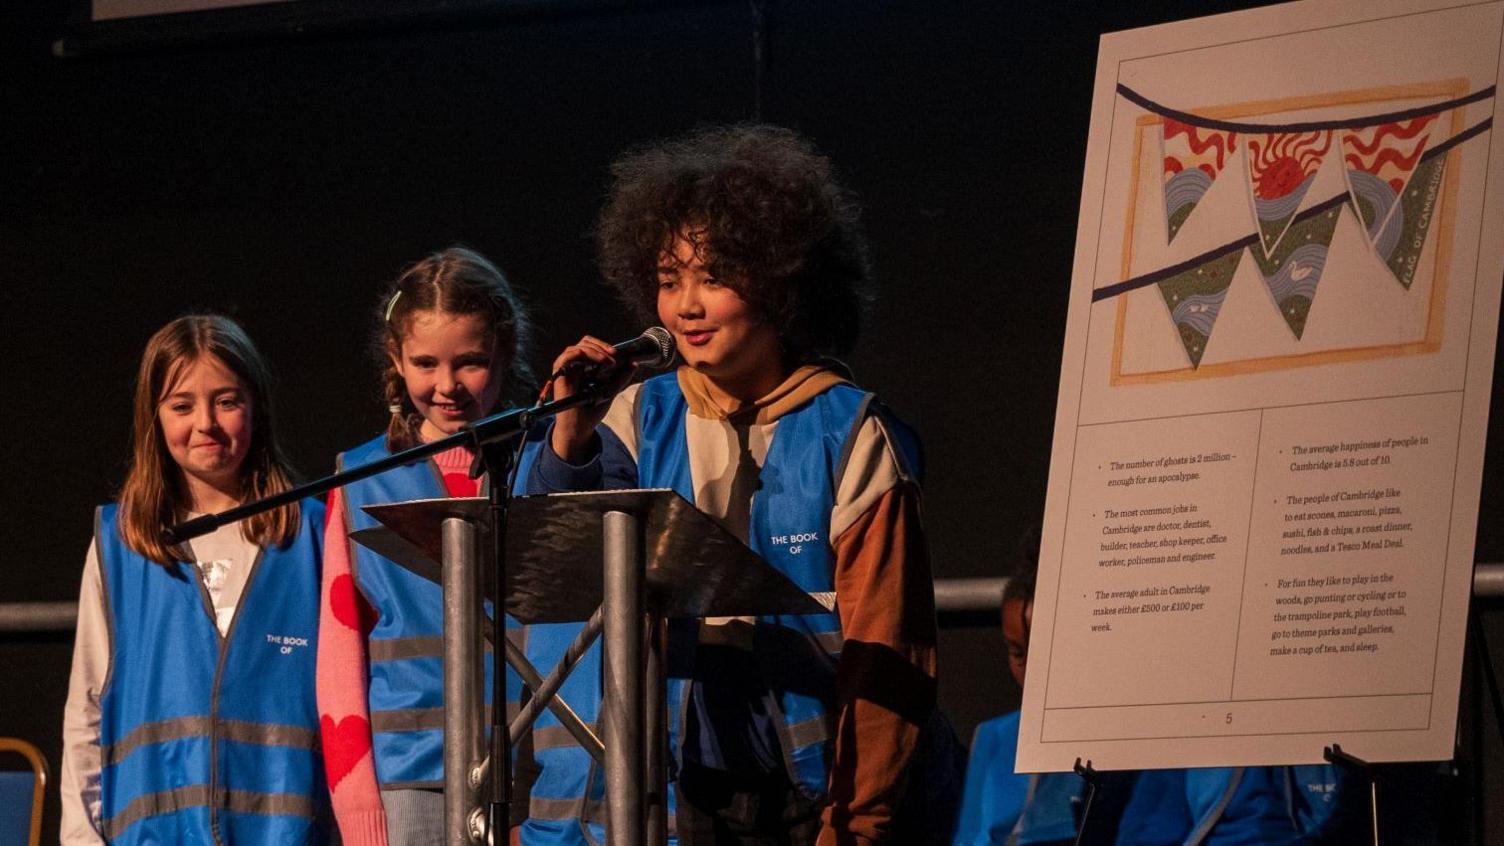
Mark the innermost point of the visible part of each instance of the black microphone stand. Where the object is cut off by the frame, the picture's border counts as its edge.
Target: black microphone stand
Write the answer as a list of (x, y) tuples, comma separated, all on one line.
[(491, 437), (496, 428), (500, 464)]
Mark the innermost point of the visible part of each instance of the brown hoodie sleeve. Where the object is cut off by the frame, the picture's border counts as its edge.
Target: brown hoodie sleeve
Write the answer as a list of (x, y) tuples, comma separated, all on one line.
[(886, 677)]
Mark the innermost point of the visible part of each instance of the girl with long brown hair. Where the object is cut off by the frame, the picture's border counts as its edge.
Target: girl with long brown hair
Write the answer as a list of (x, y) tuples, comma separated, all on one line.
[(191, 714)]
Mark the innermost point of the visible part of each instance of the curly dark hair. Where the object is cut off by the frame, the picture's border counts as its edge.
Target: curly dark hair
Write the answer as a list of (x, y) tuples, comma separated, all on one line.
[(768, 213), (456, 280)]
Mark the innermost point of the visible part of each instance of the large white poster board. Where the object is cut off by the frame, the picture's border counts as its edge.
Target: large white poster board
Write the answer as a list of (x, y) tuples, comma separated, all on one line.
[(1259, 529)]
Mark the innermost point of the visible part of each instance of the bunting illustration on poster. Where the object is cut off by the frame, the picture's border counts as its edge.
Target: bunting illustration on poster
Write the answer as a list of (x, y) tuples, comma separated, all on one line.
[(1194, 296), (1381, 162), (1293, 269), (1393, 166), (1193, 159), (1281, 167)]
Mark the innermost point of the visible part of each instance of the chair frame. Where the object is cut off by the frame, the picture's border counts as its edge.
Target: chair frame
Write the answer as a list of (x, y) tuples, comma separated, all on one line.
[(39, 767)]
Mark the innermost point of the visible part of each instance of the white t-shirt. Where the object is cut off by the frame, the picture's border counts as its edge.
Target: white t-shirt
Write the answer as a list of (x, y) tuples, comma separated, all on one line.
[(224, 558)]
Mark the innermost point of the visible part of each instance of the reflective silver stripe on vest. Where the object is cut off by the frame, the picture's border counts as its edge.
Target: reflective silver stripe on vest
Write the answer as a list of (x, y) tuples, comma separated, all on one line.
[(401, 648), (197, 796), (807, 733), (420, 719), (240, 731), (555, 737), (564, 810), (412, 719), (268, 804), (157, 732), (831, 642), (409, 719), (152, 804), (268, 734)]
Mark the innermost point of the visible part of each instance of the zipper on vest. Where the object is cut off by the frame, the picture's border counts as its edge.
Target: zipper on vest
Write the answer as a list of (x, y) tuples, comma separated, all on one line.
[(219, 671)]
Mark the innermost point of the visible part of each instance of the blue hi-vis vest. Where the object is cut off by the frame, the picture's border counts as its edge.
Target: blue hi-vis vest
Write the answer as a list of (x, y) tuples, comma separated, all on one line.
[(1230, 805), (1017, 808), (799, 478), (569, 793), (406, 646), (788, 527), (206, 738)]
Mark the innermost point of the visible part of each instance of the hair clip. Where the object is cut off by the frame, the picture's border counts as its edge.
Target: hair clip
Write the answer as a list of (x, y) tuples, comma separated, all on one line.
[(395, 408), (391, 304)]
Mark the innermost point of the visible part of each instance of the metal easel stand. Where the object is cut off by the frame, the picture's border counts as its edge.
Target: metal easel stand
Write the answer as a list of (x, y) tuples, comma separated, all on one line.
[(1364, 770), (1092, 779), (1483, 677)]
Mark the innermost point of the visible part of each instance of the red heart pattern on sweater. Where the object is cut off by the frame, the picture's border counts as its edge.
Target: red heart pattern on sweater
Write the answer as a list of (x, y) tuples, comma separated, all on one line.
[(460, 484), (345, 743), (349, 606)]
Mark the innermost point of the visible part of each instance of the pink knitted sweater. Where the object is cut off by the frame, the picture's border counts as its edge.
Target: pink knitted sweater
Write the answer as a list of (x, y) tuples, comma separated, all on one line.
[(345, 620)]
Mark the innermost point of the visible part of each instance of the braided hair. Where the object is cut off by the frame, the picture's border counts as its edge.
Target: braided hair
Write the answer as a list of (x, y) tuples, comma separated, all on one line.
[(454, 281)]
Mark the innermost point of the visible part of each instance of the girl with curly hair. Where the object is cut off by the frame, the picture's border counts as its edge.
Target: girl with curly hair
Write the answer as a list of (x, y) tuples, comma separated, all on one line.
[(788, 729)]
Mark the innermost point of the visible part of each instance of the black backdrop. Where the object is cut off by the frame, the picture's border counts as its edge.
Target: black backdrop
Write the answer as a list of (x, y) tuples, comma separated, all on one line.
[(282, 179)]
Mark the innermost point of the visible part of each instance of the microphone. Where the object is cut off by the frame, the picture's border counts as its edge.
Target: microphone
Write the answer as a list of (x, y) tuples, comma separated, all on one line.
[(653, 348)]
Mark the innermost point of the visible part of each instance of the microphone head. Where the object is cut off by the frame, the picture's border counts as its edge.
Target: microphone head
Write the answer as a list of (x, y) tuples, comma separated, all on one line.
[(665, 343)]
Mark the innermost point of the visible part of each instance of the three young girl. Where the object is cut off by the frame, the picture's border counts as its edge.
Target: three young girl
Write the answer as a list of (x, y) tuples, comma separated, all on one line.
[(742, 244)]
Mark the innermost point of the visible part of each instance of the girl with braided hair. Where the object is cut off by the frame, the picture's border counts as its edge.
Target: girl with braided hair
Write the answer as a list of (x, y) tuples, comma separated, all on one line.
[(452, 338)]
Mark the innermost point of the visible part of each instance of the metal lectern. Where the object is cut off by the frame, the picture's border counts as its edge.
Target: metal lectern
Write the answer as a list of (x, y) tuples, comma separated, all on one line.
[(623, 562)]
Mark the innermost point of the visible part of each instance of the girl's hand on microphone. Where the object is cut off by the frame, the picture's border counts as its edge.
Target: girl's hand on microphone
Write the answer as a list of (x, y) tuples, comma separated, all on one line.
[(573, 436)]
